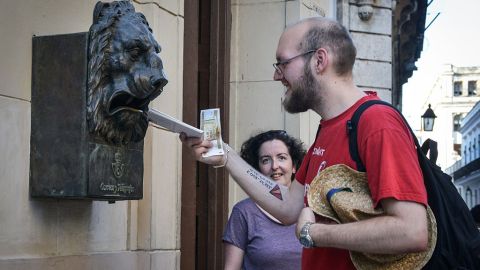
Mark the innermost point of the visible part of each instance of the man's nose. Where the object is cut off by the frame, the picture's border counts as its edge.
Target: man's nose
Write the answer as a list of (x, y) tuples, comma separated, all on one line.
[(277, 76)]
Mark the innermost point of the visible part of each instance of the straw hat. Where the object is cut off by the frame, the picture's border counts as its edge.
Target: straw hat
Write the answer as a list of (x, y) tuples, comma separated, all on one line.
[(350, 201)]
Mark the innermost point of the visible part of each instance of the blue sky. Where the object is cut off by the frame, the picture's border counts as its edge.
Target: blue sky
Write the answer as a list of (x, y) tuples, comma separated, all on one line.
[(453, 38)]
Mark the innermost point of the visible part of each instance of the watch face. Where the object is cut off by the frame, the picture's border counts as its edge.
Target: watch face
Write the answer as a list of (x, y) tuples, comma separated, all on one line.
[(305, 241)]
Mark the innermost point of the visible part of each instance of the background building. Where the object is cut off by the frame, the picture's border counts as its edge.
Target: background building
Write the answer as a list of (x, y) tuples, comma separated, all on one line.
[(216, 54), (452, 96), (466, 172)]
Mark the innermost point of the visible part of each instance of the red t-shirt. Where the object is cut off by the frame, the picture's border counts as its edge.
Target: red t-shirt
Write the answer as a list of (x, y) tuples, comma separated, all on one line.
[(387, 150)]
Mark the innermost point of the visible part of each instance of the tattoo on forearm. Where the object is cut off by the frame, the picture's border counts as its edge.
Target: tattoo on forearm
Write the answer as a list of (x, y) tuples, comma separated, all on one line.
[(272, 187)]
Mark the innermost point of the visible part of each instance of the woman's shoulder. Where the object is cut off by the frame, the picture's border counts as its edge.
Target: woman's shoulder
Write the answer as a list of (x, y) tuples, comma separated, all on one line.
[(246, 208), (245, 204)]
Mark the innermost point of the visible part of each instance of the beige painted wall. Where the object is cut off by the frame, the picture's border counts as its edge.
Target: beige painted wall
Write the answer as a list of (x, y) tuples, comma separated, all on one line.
[(255, 98), (85, 234)]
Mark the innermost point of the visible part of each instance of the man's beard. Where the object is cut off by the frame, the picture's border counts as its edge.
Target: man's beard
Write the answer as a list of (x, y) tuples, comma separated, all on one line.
[(302, 94)]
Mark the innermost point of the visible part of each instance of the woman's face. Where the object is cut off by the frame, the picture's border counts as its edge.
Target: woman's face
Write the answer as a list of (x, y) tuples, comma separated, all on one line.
[(275, 161)]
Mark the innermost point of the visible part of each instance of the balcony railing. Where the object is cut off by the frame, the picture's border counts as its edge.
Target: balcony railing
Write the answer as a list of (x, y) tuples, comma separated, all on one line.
[(457, 165), (461, 171)]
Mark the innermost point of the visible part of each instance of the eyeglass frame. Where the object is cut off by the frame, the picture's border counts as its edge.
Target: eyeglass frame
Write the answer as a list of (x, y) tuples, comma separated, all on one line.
[(277, 65)]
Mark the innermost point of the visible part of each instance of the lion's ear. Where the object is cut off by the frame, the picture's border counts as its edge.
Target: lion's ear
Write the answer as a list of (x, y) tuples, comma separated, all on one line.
[(97, 10)]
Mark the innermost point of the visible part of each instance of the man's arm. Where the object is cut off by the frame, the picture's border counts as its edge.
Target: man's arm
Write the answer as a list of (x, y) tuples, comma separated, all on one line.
[(402, 229), (283, 203)]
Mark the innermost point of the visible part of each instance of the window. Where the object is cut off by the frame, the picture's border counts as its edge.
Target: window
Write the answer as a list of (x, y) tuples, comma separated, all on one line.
[(457, 148), (470, 156), (474, 146), (468, 197), (457, 89), (475, 198), (457, 120), (472, 88)]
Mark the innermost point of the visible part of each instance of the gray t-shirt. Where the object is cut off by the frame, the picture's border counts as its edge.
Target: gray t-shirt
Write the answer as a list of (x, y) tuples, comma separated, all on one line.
[(266, 243)]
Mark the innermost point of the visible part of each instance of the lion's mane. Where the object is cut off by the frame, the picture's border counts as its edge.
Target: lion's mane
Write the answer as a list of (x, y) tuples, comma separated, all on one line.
[(106, 15)]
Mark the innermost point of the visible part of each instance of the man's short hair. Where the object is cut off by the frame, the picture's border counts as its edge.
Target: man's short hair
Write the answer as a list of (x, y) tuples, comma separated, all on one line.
[(326, 33)]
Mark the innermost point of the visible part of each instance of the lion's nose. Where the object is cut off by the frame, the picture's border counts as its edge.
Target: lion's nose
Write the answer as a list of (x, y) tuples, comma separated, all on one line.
[(155, 61), (159, 81)]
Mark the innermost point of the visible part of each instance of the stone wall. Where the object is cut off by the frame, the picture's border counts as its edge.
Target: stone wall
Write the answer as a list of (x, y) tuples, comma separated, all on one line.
[(61, 234), (373, 67)]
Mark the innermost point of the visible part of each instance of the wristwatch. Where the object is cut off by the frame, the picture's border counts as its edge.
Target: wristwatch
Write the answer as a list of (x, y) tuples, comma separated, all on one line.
[(305, 238)]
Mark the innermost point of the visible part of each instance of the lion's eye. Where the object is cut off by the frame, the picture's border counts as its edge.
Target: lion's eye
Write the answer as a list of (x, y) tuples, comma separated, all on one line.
[(135, 52)]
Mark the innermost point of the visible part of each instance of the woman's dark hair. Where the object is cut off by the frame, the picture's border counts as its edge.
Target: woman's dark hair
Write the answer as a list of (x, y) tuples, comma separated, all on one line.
[(251, 147)]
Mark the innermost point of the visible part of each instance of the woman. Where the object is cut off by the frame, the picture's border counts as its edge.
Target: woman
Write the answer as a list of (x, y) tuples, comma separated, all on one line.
[(254, 239)]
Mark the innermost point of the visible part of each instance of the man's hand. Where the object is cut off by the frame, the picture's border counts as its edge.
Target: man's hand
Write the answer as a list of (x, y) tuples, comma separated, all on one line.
[(305, 215), (198, 146)]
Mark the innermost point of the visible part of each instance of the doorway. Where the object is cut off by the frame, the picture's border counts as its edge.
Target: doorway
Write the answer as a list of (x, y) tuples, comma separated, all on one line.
[(205, 85)]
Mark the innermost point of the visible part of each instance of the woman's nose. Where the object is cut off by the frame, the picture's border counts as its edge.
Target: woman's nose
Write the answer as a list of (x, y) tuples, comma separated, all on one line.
[(275, 164)]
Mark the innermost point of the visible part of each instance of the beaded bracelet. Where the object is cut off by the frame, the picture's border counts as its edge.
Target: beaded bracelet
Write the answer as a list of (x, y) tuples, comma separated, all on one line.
[(226, 160)]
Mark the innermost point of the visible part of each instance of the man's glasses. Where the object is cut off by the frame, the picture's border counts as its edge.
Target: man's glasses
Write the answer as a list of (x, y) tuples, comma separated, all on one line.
[(281, 64)]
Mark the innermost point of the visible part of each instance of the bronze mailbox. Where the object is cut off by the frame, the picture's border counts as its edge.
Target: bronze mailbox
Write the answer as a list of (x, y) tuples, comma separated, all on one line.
[(90, 97)]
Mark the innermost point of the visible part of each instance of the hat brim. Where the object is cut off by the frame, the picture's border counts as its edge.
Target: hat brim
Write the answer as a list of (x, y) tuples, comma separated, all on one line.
[(355, 205)]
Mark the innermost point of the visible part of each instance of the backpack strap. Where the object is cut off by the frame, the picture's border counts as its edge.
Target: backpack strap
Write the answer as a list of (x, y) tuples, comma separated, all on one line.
[(352, 132), (432, 146)]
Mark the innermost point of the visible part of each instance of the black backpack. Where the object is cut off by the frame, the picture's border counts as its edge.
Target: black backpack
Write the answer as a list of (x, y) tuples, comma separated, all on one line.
[(458, 239)]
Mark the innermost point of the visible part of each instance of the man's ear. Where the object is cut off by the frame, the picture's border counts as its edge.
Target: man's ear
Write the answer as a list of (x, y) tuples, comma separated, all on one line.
[(321, 60)]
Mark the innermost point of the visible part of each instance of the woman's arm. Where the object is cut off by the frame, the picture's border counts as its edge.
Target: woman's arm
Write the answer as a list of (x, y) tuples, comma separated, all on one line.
[(233, 257), (283, 203)]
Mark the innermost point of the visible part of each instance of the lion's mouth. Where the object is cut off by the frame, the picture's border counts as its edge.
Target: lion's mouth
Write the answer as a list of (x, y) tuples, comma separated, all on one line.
[(124, 101)]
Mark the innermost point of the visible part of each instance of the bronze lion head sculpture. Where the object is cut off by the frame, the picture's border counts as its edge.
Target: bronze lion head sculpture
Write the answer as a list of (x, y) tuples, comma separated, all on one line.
[(124, 73)]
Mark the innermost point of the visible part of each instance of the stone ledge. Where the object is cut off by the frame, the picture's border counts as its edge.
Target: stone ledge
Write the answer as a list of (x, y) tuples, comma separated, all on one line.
[(123, 260)]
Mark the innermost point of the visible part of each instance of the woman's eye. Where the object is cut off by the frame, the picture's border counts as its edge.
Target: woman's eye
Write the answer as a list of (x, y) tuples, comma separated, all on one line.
[(265, 161)]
